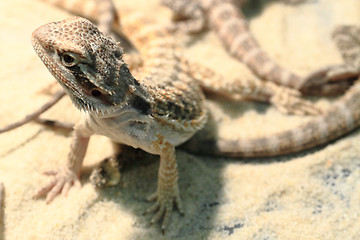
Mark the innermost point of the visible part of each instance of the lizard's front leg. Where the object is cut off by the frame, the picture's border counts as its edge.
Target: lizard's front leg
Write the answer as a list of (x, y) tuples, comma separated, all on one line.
[(69, 175), (167, 192)]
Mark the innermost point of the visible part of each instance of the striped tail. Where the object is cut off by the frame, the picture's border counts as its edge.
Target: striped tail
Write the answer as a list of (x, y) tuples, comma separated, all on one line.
[(341, 119), (232, 28)]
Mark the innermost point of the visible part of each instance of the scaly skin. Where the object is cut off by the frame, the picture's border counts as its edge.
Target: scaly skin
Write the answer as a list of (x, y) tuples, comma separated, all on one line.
[(104, 13), (172, 105), (285, 99), (231, 26), (342, 118), (153, 115), (158, 110)]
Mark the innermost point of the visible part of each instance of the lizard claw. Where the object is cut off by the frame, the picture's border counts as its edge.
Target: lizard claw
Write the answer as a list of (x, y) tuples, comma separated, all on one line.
[(163, 206), (289, 101), (61, 183)]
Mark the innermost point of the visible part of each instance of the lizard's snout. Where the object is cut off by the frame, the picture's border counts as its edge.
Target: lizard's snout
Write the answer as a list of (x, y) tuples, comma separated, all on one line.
[(39, 36)]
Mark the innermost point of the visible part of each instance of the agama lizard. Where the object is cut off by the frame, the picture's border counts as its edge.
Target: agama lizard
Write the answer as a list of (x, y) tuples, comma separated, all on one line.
[(105, 14), (156, 111)]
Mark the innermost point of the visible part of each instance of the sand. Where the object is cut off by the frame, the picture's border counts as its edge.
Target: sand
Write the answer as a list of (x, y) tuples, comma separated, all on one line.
[(312, 195)]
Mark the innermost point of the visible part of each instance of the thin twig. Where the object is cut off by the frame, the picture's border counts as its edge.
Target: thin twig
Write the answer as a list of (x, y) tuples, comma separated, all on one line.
[(57, 96)]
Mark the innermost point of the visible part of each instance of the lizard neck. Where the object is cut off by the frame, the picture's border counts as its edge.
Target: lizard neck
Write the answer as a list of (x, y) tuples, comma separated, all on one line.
[(126, 92)]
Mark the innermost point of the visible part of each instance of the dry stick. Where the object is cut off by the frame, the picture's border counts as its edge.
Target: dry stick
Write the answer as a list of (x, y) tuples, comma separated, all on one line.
[(57, 96)]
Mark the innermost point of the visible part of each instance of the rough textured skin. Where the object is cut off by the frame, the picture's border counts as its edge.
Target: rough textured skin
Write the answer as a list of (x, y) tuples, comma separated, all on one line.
[(231, 26), (162, 105), (153, 115), (342, 118), (107, 18), (287, 100), (160, 109)]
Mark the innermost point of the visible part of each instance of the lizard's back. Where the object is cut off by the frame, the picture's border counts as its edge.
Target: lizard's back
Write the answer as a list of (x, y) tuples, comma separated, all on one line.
[(178, 99)]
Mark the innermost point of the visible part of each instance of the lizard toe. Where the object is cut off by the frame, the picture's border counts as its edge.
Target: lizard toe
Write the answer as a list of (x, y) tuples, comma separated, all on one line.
[(61, 183)]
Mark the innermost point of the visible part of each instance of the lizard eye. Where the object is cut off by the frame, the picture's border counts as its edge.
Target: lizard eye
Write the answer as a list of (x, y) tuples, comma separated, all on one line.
[(69, 59)]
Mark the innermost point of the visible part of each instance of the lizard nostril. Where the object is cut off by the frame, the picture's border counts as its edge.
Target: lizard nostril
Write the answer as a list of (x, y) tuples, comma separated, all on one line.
[(95, 93)]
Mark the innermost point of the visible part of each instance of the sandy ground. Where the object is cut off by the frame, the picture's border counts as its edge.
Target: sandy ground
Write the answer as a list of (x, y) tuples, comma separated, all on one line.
[(307, 196)]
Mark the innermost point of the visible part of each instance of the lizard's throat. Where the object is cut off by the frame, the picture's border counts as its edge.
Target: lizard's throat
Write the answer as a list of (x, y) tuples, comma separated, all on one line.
[(101, 112), (139, 101)]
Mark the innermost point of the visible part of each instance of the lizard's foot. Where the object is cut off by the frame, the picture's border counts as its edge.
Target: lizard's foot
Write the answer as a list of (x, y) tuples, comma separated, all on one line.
[(163, 206), (107, 173), (329, 81), (62, 181), (289, 101)]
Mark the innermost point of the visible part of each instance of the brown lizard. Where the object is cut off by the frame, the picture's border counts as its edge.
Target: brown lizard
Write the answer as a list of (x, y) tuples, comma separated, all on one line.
[(342, 118), (153, 115), (105, 14), (231, 27), (156, 111)]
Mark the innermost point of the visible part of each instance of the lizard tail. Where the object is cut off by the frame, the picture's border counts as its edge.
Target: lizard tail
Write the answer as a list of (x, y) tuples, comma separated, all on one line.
[(232, 28), (342, 118)]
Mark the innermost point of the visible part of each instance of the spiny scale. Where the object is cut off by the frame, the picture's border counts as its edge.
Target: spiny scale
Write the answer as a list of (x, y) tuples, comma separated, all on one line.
[(158, 48), (158, 109)]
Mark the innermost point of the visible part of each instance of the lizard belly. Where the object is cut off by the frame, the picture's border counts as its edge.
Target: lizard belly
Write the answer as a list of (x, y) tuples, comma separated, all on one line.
[(136, 130)]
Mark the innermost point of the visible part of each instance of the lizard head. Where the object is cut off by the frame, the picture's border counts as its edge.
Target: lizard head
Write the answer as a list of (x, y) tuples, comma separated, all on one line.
[(87, 64)]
